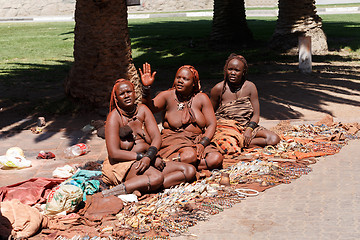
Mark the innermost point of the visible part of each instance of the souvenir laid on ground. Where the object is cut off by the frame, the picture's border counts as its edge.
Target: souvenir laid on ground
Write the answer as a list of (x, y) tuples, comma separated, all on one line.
[(63, 172), (14, 158), (172, 211), (305, 141)]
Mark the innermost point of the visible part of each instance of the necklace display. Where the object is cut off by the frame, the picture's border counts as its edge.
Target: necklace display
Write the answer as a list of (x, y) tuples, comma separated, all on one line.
[(181, 104)]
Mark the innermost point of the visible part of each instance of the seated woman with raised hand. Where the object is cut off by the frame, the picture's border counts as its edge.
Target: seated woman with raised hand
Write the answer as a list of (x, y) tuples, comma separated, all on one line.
[(236, 102), (132, 140), (188, 119)]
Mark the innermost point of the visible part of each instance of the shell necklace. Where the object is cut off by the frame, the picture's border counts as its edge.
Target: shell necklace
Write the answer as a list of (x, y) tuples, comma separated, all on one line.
[(182, 104)]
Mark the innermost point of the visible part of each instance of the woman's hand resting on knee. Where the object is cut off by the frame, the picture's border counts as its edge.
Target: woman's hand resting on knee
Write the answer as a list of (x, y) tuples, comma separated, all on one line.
[(159, 164), (142, 165)]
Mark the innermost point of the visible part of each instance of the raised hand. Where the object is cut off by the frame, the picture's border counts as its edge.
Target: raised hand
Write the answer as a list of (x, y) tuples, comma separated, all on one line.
[(147, 78)]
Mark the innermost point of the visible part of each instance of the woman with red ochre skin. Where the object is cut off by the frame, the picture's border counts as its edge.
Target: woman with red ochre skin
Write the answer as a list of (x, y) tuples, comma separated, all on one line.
[(236, 99), (132, 139), (188, 119)]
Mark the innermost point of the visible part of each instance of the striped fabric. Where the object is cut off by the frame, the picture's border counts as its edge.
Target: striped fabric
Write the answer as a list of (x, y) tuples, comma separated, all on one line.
[(232, 119), (239, 110)]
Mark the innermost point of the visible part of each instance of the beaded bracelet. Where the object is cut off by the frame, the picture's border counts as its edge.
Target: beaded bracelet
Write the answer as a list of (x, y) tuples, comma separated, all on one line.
[(251, 128), (247, 192)]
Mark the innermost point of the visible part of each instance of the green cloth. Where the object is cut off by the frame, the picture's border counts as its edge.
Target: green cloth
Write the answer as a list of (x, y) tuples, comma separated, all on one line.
[(81, 179)]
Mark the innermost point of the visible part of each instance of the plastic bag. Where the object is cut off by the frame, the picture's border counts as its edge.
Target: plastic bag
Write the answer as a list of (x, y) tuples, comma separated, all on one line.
[(14, 158), (63, 172), (63, 198), (127, 198)]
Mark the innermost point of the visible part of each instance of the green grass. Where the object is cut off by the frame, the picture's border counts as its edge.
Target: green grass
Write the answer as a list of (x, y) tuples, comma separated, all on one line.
[(36, 41), (318, 6), (338, 5), (35, 57), (343, 31), (38, 56), (32, 50)]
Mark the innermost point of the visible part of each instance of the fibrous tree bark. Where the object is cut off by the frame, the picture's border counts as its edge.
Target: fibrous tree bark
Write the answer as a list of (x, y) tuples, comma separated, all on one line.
[(295, 19), (229, 23), (102, 51)]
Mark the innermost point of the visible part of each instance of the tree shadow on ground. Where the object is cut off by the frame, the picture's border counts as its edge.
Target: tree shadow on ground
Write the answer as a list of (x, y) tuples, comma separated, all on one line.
[(280, 93), (37, 89), (33, 90)]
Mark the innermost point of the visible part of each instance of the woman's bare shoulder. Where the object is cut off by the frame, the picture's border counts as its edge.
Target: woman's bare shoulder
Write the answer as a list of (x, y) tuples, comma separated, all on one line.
[(113, 118), (201, 98), (250, 88), (166, 92), (249, 84), (201, 95), (164, 95), (218, 86), (216, 90), (143, 108), (112, 114)]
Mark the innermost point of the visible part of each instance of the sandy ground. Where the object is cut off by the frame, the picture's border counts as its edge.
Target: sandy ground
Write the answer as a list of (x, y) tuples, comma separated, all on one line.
[(333, 88)]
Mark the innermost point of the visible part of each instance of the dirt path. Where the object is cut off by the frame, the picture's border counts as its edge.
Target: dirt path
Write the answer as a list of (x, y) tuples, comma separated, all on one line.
[(333, 88)]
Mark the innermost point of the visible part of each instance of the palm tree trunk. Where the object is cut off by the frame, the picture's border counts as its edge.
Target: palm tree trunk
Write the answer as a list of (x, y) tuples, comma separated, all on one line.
[(102, 51), (298, 18), (229, 23)]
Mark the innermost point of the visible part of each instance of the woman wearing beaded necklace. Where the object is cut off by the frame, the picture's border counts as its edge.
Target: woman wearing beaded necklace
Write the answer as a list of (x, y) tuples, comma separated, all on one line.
[(188, 119), (132, 140), (236, 102)]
